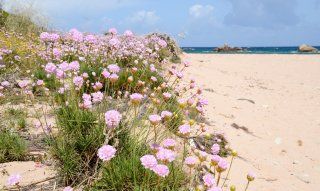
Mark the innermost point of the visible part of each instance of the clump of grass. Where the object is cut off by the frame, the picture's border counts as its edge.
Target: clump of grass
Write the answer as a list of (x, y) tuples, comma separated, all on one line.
[(16, 118), (12, 146), (76, 144)]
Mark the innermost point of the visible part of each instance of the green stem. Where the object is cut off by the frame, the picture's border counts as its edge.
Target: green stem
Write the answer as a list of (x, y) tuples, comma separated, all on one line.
[(228, 172), (247, 186)]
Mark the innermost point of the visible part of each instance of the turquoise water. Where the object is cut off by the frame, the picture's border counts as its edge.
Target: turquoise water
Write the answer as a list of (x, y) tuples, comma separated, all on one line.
[(250, 50)]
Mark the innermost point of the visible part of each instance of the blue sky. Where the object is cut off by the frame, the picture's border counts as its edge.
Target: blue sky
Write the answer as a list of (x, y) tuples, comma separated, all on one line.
[(192, 22)]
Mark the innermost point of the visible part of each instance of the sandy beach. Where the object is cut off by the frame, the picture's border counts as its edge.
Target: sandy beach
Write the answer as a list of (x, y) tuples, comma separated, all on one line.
[(268, 106)]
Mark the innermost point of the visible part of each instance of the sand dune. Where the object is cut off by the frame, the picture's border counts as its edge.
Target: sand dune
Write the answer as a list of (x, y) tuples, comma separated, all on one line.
[(277, 98)]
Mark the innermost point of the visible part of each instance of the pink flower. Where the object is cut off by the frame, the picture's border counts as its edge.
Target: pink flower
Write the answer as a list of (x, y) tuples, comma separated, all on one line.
[(166, 155), (97, 86), (162, 43), (191, 161), (113, 31), (105, 73), (166, 114), (68, 188), (154, 119), (64, 66), (112, 118), (215, 149), (23, 84), (154, 79), (215, 159), (97, 97), (40, 82), (161, 170), (113, 78), (50, 68), (75, 66), (5, 84), (202, 155), (184, 129), (113, 68), (169, 143), (114, 42), (166, 95), (106, 152), (209, 180), (128, 33), (13, 180), (222, 165), (251, 176), (136, 98), (148, 161), (78, 81)]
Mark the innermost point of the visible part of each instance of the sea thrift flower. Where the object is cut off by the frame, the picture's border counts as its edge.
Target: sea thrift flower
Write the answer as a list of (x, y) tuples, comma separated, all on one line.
[(154, 79), (75, 66), (191, 161), (214, 159), (68, 188), (105, 74), (154, 119), (184, 130), (113, 78), (215, 149), (106, 152), (114, 42), (50, 68), (13, 180), (5, 84), (113, 31), (169, 143), (161, 170), (166, 115), (209, 180), (40, 82), (97, 86), (136, 98), (128, 33), (78, 81), (166, 155), (23, 84), (97, 97), (202, 156), (148, 161), (166, 95), (251, 176), (112, 118), (113, 68), (222, 165)]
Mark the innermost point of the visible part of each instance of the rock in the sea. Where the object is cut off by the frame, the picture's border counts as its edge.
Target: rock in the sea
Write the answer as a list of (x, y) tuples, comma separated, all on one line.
[(307, 48), (227, 48)]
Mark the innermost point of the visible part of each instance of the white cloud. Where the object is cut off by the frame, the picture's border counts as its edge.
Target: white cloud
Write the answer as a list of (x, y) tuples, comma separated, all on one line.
[(146, 17), (200, 11)]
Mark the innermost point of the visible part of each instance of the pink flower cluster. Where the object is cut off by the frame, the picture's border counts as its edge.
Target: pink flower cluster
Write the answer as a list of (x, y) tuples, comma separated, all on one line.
[(106, 152), (112, 118)]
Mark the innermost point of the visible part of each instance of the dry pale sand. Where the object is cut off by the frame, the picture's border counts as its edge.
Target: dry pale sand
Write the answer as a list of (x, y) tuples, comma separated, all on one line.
[(283, 144)]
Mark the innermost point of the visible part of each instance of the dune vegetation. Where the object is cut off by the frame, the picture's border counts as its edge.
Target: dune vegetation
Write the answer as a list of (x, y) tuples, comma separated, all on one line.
[(111, 112)]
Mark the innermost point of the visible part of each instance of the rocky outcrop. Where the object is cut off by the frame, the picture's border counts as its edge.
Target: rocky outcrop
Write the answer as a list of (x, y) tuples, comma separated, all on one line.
[(307, 48), (227, 48)]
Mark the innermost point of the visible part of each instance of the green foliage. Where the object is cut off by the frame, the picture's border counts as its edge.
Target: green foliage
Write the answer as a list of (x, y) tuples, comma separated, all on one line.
[(125, 172), (76, 144), (16, 118), (12, 147)]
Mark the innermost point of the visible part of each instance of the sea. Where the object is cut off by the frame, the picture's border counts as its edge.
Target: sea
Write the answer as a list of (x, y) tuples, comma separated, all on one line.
[(249, 50)]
